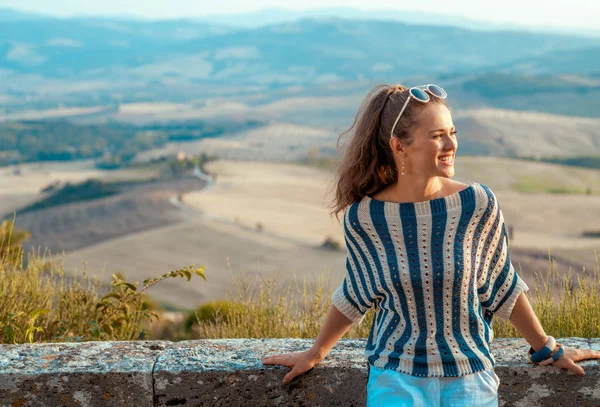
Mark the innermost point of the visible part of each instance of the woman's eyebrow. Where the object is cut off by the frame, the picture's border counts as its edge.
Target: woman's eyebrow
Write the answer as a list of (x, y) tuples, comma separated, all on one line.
[(435, 131)]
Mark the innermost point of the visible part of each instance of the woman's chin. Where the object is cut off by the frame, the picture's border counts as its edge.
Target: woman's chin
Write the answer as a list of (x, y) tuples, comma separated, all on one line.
[(447, 172)]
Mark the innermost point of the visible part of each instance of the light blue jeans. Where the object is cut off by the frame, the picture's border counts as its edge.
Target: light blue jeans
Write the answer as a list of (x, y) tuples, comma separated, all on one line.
[(389, 388)]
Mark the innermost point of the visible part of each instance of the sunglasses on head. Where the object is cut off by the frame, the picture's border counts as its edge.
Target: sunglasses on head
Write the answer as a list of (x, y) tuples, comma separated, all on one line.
[(419, 93)]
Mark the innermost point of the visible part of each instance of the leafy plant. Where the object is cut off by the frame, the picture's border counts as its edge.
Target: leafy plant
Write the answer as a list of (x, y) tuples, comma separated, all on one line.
[(35, 307), (126, 307)]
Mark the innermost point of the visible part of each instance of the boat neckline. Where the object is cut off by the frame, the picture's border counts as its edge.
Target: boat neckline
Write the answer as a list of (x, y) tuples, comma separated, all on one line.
[(452, 197)]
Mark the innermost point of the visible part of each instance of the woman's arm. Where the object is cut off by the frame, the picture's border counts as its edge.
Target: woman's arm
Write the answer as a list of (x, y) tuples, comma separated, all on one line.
[(523, 318), (335, 326), (526, 322)]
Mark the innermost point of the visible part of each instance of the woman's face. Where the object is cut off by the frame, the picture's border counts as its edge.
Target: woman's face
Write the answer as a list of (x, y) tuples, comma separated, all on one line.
[(434, 144)]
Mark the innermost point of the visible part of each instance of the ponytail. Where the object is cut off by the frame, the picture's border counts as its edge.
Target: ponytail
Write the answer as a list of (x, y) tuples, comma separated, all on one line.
[(367, 164)]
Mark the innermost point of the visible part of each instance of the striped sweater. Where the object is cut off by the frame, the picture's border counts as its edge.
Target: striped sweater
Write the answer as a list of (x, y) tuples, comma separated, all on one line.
[(436, 272)]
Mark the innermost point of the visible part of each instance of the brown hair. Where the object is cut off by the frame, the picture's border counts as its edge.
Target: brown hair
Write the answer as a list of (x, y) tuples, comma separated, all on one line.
[(367, 164)]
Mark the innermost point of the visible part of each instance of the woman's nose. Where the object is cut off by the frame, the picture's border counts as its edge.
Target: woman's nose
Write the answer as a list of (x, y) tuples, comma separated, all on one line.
[(450, 143)]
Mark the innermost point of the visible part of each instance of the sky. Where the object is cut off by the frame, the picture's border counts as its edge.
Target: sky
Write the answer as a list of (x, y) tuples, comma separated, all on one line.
[(578, 13)]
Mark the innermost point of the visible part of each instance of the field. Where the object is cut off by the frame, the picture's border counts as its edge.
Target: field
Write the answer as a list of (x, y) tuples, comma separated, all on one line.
[(290, 200), (260, 217), (275, 142), (21, 185), (297, 120), (500, 132), (219, 228), (299, 123)]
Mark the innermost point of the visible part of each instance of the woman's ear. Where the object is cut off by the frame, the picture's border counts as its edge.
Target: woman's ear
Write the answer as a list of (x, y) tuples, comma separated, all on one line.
[(397, 146)]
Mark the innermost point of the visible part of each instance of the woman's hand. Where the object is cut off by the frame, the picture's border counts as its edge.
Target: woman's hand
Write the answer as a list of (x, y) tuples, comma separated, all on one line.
[(300, 362), (571, 355)]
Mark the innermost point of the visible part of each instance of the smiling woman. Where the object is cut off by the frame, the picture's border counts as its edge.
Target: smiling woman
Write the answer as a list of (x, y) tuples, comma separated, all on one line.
[(413, 145), (430, 255)]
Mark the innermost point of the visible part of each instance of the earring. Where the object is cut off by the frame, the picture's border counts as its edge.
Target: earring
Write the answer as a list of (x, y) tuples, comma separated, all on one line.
[(403, 169)]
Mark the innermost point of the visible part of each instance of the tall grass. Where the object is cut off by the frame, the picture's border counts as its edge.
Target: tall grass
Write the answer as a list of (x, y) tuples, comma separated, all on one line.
[(267, 312), (535, 184), (37, 304), (575, 311)]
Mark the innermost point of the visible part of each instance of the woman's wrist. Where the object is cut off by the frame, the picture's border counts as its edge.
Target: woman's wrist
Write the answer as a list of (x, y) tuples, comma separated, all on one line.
[(539, 344), (316, 353), (546, 355)]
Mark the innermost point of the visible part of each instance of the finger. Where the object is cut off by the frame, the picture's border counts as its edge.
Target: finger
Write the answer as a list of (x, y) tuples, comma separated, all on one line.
[(273, 360), (590, 354), (583, 354), (288, 377), (267, 359), (575, 368)]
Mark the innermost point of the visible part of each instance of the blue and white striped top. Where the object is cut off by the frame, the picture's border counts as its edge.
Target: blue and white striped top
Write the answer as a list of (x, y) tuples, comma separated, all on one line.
[(436, 271)]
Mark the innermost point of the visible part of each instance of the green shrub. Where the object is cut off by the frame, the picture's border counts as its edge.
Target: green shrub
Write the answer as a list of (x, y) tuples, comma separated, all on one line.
[(11, 243), (220, 310), (37, 305)]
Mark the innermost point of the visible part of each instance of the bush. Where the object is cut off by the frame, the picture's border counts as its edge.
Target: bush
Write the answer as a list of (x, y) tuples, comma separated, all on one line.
[(330, 244), (221, 310), (265, 311), (38, 306), (11, 243)]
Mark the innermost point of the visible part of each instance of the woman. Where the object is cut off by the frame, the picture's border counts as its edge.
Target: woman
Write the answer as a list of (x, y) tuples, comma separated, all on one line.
[(430, 254)]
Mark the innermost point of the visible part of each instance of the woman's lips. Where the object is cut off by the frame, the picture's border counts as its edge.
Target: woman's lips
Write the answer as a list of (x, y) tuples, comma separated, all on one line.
[(447, 160)]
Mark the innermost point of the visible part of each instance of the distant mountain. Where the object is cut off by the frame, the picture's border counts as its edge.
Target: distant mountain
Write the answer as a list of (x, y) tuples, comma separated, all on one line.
[(306, 51), (84, 61), (271, 16), (73, 47), (574, 61), (9, 14), (314, 50), (277, 15), (174, 29)]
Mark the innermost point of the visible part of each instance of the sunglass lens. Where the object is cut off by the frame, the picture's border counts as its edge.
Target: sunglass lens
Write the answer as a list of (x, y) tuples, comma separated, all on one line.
[(437, 91), (419, 94)]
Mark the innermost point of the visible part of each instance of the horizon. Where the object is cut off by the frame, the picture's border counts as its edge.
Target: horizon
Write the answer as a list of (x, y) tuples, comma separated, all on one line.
[(585, 15)]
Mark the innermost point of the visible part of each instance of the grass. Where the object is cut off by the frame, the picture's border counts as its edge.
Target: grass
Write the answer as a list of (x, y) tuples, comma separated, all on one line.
[(561, 178), (574, 313), (586, 161), (267, 313), (543, 184), (37, 307)]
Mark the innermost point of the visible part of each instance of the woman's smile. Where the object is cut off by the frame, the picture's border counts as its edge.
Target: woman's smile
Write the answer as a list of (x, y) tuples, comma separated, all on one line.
[(447, 159)]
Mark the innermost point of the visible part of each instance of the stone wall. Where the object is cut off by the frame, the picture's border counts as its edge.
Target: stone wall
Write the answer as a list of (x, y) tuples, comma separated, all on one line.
[(229, 372)]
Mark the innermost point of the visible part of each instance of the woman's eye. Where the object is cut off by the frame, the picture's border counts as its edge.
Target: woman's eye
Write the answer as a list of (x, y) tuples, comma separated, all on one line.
[(440, 135)]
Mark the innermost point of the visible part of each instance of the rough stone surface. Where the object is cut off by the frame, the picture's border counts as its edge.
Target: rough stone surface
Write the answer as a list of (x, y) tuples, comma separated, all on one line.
[(229, 372), (78, 374), (232, 373)]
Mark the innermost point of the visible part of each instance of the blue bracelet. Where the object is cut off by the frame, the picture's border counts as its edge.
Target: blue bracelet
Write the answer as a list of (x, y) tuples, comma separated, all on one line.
[(543, 353), (557, 354), (552, 359)]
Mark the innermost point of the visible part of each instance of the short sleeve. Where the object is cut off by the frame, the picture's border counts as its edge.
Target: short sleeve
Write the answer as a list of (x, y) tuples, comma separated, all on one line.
[(352, 298), (499, 285)]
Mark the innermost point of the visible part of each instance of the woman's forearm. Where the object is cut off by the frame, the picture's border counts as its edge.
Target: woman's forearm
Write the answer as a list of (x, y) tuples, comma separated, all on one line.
[(335, 326), (523, 318)]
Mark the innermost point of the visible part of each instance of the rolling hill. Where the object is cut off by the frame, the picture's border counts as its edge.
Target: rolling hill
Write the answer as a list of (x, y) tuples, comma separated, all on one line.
[(101, 63), (304, 51)]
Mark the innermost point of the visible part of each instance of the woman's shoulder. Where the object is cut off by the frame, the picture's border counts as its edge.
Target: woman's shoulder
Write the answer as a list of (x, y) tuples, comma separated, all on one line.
[(486, 196), (454, 186), (482, 194)]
